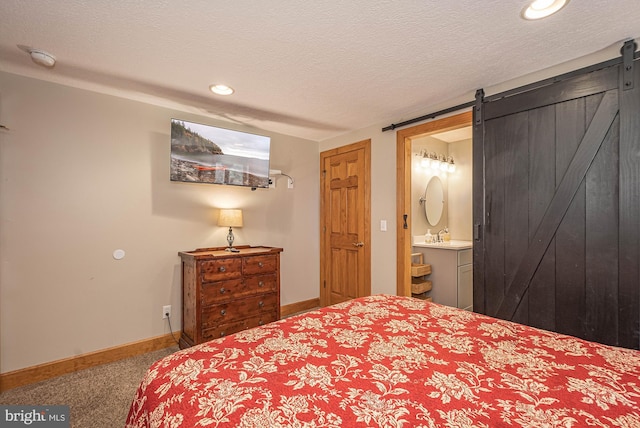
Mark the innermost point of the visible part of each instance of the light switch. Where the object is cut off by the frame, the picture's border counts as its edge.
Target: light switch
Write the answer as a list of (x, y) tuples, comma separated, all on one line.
[(383, 225)]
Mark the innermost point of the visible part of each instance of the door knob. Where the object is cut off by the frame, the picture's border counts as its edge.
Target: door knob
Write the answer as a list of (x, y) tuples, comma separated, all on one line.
[(358, 244)]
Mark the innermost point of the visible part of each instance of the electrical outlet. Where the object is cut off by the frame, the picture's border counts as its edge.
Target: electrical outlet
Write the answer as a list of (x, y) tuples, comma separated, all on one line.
[(290, 183), (166, 310)]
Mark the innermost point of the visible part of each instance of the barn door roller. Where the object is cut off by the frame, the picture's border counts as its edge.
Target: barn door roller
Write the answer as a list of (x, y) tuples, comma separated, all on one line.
[(627, 51)]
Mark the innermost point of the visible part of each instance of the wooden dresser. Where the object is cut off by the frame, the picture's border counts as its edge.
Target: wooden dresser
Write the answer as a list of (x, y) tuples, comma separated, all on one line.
[(225, 292)]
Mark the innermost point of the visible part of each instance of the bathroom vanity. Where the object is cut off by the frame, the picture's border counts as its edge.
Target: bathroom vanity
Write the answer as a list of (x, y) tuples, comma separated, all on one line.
[(451, 271)]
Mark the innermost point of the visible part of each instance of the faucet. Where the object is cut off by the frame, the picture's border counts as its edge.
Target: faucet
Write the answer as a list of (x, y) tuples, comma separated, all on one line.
[(439, 236)]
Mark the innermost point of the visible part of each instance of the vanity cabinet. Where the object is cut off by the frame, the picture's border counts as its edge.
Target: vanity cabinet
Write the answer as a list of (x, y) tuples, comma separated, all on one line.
[(451, 272), (464, 280), (225, 292)]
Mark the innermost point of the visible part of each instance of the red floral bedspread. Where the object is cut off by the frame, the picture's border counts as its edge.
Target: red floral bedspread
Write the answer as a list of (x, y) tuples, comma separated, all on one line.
[(388, 361)]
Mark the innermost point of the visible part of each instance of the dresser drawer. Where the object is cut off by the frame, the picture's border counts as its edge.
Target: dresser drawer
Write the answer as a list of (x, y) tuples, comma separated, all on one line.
[(233, 327), (238, 309), (218, 270), (259, 264), (261, 283), (221, 291)]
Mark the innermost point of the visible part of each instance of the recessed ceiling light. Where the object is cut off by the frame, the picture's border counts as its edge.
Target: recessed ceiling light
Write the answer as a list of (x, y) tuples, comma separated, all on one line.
[(221, 89), (539, 9)]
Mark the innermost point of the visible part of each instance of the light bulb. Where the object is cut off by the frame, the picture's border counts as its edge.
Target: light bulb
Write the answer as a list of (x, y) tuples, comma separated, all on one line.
[(541, 4), (539, 9), (221, 89)]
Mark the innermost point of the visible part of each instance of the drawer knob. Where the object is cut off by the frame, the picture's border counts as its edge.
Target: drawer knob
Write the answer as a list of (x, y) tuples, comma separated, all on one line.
[(222, 269), (222, 290), (260, 264), (260, 284), (261, 303), (261, 322), (223, 312), (222, 333)]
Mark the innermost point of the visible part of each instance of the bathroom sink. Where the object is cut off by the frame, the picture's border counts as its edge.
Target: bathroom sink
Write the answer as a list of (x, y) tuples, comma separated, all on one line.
[(418, 241)]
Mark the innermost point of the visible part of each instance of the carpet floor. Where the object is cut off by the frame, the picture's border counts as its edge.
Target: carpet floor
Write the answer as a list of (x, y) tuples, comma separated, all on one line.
[(99, 397)]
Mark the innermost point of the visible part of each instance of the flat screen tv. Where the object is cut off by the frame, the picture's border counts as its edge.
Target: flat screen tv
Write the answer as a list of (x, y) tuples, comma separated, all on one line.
[(207, 154)]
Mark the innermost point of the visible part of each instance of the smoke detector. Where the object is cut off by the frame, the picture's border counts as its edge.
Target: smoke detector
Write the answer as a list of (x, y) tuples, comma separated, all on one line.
[(42, 58), (39, 56)]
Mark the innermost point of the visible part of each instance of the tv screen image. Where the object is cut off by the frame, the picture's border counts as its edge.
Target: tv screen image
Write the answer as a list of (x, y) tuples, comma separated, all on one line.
[(208, 154)]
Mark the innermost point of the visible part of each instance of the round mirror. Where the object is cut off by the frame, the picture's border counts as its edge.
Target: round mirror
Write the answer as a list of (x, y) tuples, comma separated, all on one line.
[(434, 200)]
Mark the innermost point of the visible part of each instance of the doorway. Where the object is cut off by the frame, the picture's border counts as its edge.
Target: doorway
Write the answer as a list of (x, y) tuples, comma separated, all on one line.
[(345, 223), (403, 190)]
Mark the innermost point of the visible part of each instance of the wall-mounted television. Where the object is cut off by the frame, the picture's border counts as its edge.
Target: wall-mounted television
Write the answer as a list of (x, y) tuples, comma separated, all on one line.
[(208, 154)]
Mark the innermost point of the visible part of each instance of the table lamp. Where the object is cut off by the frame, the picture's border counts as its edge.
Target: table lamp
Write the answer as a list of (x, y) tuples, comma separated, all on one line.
[(230, 218)]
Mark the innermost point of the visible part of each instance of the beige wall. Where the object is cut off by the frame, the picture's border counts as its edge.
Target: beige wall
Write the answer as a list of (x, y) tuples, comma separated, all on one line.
[(460, 197), (83, 174)]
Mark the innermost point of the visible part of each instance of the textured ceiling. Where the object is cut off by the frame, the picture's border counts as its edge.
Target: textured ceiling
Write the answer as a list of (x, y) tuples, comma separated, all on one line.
[(309, 69)]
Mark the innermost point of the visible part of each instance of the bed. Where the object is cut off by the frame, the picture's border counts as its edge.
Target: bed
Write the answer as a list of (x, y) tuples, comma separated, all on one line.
[(391, 361)]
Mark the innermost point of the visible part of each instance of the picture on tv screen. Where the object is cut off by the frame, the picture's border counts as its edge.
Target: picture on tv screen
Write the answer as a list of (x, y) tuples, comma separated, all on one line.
[(207, 154)]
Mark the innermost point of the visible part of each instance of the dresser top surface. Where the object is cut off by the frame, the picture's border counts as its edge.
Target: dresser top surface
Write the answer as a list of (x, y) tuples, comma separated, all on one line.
[(220, 252)]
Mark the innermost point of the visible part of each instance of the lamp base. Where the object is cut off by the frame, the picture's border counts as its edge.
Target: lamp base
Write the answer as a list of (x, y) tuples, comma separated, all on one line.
[(230, 237)]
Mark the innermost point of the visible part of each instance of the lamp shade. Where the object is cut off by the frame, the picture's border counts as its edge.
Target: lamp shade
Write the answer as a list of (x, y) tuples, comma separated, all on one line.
[(230, 218)]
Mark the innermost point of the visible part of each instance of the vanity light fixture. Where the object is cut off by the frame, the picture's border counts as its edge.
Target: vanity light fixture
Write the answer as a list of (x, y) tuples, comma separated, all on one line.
[(451, 166), (539, 9), (220, 89), (425, 162), (443, 165), (435, 161), (440, 162)]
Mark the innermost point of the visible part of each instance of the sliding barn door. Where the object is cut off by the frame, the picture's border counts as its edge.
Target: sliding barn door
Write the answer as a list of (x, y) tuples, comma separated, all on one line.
[(558, 207)]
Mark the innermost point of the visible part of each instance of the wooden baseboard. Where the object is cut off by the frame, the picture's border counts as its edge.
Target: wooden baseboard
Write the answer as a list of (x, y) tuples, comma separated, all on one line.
[(52, 369), (294, 308), (45, 371)]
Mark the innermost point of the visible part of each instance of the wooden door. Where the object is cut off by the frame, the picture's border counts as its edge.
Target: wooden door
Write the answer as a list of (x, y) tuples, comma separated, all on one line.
[(345, 253), (556, 203)]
